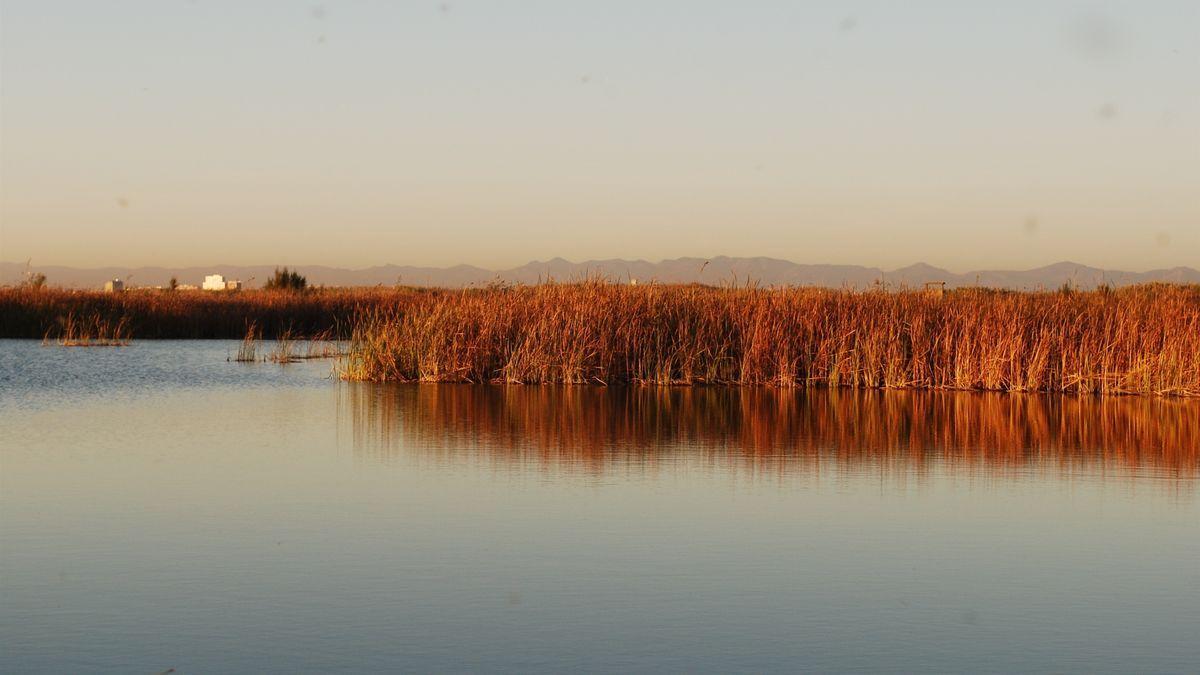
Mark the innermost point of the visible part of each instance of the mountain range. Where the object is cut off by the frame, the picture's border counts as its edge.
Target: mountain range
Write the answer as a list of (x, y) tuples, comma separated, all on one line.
[(713, 271)]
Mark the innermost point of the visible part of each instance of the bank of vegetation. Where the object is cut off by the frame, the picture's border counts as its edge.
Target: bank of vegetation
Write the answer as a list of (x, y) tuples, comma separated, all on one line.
[(1135, 340), (162, 314), (1138, 340)]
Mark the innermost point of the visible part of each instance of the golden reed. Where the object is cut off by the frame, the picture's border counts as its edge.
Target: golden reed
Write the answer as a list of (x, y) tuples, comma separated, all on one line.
[(1137, 340), (595, 429)]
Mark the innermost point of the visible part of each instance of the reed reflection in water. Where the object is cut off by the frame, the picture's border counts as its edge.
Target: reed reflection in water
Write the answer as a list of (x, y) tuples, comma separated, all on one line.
[(597, 429)]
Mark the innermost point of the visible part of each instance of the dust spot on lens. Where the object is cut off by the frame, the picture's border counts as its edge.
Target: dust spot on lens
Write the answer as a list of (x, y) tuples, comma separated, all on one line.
[(847, 24), (1107, 111), (1030, 225), (122, 202)]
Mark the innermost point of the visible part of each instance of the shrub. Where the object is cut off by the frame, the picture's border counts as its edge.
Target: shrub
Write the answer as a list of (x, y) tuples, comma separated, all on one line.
[(285, 280)]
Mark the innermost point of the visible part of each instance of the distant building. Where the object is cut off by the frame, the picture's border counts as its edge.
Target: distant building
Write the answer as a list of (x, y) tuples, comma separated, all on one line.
[(114, 286), (935, 288), (217, 282)]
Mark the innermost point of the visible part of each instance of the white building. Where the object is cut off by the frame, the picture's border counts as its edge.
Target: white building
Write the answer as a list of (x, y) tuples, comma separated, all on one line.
[(214, 282), (114, 286), (233, 285)]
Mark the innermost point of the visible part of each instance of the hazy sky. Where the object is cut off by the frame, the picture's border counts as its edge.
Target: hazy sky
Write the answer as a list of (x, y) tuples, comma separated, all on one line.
[(964, 134)]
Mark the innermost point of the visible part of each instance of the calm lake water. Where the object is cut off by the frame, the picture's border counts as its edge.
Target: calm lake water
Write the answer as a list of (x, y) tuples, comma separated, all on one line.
[(163, 508)]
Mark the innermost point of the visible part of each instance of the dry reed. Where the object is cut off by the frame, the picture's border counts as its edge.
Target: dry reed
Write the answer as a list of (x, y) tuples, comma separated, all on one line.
[(1137, 340), (91, 331), (248, 349), (284, 344)]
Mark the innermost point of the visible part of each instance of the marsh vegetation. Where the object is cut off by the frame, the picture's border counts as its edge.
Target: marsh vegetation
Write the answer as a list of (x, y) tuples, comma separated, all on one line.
[(1134, 340), (1139, 340)]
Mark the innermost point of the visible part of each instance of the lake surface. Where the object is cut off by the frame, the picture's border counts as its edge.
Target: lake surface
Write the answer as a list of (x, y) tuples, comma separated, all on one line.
[(161, 507)]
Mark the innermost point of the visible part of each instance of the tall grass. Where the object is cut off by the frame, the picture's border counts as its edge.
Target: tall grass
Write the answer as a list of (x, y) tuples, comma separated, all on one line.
[(1137, 340)]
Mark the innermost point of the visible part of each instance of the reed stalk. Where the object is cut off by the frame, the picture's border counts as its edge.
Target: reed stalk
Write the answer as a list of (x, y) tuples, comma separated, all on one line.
[(248, 349)]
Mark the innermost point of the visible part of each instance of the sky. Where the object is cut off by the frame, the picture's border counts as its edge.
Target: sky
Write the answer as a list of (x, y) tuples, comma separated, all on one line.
[(963, 134)]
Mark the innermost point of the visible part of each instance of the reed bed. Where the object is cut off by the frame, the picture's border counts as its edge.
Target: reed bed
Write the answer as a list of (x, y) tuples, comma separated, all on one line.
[(151, 314), (1136, 340), (92, 331)]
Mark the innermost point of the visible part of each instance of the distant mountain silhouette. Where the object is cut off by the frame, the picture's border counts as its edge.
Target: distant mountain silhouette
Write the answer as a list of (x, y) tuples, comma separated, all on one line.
[(713, 271)]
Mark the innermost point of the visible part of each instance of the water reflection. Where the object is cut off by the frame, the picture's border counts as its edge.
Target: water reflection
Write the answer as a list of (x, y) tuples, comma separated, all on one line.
[(598, 429)]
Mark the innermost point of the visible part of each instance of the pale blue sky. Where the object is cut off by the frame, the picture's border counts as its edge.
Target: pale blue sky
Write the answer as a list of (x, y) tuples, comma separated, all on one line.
[(964, 134)]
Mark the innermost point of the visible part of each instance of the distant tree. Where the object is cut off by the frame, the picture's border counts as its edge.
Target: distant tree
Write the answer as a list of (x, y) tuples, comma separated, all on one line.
[(284, 280), (34, 280), (174, 283)]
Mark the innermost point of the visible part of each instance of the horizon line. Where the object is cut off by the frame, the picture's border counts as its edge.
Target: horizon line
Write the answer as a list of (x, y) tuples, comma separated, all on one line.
[(560, 260)]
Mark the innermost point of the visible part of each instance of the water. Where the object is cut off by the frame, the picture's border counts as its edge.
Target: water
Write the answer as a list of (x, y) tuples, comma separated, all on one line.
[(164, 508)]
